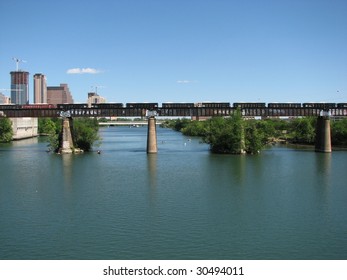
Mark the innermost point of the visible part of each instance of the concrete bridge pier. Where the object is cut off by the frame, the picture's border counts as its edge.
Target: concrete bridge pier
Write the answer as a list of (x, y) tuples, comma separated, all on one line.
[(66, 143), (323, 135), (152, 136)]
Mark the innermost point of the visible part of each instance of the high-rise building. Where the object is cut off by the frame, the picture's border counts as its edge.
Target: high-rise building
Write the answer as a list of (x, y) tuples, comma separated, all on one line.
[(59, 95), (40, 89), (19, 87), (94, 98)]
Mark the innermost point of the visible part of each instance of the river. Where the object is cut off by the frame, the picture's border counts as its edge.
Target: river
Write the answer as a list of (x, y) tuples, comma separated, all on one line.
[(181, 203)]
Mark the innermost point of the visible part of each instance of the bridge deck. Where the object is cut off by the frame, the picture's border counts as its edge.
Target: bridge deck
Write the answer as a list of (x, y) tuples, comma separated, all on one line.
[(181, 112)]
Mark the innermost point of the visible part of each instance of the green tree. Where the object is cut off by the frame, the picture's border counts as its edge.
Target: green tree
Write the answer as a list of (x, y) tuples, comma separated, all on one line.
[(50, 127), (85, 133), (226, 135), (303, 130), (194, 128), (47, 126), (6, 132), (255, 138), (272, 128), (339, 132)]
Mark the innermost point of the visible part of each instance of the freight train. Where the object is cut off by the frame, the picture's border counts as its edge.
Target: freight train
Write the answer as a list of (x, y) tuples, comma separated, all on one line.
[(172, 105)]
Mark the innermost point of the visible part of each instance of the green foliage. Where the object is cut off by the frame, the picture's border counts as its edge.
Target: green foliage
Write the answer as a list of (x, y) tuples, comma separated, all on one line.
[(303, 130), (220, 135), (339, 132), (85, 133), (272, 128), (51, 128), (6, 132), (47, 126), (194, 128), (255, 138), (233, 135), (177, 125)]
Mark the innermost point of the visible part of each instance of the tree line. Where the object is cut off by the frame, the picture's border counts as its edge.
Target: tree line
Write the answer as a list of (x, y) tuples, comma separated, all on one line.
[(224, 135), (236, 135)]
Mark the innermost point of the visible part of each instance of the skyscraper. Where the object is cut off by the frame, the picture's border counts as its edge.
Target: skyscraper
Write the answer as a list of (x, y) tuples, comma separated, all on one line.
[(19, 87), (59, 94), (40, 89)]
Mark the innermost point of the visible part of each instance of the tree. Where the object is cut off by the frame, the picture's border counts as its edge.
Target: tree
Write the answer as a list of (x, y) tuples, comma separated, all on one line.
[(6, 132), (47, 126), (255, 138), (339, 132), (226, 135), (85, 133), (194, 128), (303, 130), (51, 128)]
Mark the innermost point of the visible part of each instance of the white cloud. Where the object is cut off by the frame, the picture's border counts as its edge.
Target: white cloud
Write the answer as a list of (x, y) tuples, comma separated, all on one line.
[(82, 71), (185, 81)]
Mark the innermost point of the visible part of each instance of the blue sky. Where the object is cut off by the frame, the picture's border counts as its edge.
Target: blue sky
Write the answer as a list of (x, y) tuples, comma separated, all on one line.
[(181, 50)]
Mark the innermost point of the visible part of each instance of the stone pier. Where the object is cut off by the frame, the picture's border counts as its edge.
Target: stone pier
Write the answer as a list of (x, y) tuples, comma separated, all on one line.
[(66, 145), (323, 135), (152, 136)]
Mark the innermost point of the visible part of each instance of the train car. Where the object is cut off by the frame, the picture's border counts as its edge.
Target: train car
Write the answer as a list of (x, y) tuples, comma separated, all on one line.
[(320, 105), (249, 105), (181, 105), (68, 106), (285, 105), (9, 106), (107, 105), (38, 106), (145, 105), (341, 105), (215, 104)]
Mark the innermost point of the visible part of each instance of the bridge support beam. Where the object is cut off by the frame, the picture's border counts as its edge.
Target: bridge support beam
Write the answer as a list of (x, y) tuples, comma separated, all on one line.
[(66, 143), (323, 135), (152, 136)]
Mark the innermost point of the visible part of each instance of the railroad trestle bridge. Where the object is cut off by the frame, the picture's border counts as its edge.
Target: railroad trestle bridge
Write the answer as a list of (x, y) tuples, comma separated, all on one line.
[(171, 112), (151, 110)]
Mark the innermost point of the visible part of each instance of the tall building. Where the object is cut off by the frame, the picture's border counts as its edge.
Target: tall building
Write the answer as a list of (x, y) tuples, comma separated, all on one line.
[(19, 87), (94, 98), (59, 95), (40, 89)]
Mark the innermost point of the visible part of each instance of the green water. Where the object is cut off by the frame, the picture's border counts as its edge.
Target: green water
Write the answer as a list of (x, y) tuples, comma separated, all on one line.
[(182, 203)]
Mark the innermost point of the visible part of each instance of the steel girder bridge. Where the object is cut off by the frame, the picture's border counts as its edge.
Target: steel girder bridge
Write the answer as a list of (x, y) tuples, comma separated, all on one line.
[(196, 112)]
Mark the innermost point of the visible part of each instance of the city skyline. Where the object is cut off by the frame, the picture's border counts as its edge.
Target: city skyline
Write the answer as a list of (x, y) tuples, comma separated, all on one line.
[(181, 51)]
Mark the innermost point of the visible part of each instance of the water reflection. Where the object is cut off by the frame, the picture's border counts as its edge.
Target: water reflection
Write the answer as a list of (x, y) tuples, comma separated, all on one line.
[(152, 180), (323, 169), (239, 169), (323, 162), (67, 162), (25, 142), (152, 170)]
